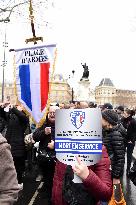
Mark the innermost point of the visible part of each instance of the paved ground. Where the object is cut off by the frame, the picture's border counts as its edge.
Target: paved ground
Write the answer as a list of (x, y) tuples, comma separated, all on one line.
[(129, 190)]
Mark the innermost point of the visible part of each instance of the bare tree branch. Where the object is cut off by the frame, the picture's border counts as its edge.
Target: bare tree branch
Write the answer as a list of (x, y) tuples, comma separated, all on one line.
[(15, 7), (10, 10)]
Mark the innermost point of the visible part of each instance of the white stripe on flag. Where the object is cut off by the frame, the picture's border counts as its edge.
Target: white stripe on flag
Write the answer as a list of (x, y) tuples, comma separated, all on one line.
[(35, 90)]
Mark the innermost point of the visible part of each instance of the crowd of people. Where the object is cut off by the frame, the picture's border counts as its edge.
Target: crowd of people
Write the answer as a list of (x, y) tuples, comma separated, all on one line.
[(118, 138)]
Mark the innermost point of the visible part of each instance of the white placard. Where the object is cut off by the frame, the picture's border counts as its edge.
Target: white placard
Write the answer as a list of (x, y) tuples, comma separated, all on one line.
[(78, 132)]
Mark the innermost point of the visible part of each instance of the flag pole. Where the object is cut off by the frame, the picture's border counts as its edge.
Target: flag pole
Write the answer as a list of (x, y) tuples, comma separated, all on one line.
[(34, 39)]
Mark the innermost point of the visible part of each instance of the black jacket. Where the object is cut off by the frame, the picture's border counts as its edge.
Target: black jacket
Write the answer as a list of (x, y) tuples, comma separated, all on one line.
[(43, 139), (114, 141), (17, 123), (2, 119), (130, 125)]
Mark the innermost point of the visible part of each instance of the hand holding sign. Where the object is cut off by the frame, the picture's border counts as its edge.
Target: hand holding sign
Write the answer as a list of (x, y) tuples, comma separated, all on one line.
[(51, 145), (80, 169)]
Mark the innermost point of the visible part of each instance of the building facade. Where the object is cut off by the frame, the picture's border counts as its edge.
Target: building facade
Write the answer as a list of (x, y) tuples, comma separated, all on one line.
[(60, 91), (107, 92), (9, 93)]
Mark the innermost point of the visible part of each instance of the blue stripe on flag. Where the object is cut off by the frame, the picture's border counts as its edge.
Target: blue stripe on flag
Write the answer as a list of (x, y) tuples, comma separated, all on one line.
[(24, 74)]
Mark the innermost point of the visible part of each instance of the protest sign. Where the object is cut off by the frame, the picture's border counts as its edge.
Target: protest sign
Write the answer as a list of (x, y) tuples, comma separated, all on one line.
[(78, 132)]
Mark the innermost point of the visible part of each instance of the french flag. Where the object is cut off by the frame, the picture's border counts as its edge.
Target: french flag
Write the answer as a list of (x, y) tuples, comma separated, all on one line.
[(32, 79), (38, 75)]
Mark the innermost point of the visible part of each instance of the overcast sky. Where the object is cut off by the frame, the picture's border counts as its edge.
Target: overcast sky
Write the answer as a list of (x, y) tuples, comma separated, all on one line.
[(101, 33)]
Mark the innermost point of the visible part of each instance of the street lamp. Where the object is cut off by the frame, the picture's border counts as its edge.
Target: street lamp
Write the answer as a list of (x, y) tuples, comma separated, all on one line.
[(4, 62), (73, 72), (71, 78)]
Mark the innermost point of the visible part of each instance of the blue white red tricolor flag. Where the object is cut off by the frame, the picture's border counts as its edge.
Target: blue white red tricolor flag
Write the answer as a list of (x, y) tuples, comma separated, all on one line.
[(33, 69)]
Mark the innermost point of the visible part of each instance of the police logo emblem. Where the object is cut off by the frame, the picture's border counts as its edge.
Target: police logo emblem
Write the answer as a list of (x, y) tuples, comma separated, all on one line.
[(77, 118)]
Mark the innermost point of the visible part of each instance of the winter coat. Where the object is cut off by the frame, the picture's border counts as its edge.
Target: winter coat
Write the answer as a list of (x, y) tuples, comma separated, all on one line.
[(98, 183), (40, 136), (17, 123), (2, 124), (8, 179), (113, 139), (2, 119), (130, 125)]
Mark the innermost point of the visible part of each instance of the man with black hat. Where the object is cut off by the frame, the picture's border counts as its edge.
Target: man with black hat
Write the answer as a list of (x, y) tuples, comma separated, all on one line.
[(107, 106), (114, 142)]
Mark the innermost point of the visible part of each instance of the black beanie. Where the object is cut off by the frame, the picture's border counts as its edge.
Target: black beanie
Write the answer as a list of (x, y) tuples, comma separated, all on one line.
[(110, 116), (107, 106)]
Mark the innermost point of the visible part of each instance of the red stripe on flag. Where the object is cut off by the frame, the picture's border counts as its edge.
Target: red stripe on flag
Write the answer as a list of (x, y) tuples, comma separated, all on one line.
[(44, 74)]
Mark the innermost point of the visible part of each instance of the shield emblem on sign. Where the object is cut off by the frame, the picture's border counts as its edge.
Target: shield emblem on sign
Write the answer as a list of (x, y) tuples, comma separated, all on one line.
[(77, 118)]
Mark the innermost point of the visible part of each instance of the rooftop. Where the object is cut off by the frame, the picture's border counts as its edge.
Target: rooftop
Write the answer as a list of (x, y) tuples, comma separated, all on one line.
[(106, 82)]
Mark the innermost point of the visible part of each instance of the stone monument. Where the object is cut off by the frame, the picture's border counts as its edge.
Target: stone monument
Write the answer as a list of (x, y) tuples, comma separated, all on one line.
[(84, 92), (85, 73)]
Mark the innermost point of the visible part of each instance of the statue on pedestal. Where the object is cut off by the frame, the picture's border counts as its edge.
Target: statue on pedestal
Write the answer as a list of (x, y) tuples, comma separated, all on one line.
[(85, 73)]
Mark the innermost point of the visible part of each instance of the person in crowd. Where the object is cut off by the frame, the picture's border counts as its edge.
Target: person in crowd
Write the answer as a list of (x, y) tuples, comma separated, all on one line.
[(61, 105), (129, 124), (96, 186), (83, 105), (67, 106), (132, 173), (100, 107), (33, 127), (114, 142), (72, 105), (107, 106), (77, 105), (92, 105), (8, 179), (134, 116), (46, 136), (120, 111), (2, 119), (17, 122)]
